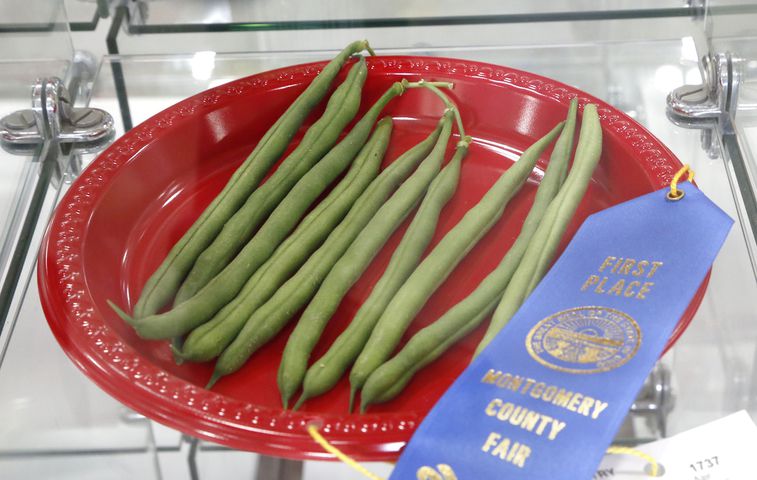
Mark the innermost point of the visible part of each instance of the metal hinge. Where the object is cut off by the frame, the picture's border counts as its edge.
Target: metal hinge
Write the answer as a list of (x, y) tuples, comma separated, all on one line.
[(53, 117), (655, 399), (711, 105), (717, 96)]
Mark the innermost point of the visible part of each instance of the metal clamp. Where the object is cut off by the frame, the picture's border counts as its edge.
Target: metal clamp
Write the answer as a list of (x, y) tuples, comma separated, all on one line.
[(656, 399), (717, 96), (711, 105), (52, 117)]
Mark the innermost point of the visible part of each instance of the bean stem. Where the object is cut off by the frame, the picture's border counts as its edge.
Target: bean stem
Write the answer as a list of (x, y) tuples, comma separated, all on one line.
[(434, 87)]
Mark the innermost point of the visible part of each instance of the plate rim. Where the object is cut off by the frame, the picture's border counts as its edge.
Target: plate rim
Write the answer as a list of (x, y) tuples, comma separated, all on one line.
[(117, 368)]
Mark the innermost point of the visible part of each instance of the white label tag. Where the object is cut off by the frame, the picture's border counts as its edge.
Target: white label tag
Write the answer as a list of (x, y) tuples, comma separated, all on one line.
[(722, 450)]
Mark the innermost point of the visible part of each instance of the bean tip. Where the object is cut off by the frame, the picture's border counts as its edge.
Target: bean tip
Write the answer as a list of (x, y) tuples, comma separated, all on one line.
[(213, 379), (369, 49), (177, 355), (124, 316), (299, 402), (403, 85), (353, 394)]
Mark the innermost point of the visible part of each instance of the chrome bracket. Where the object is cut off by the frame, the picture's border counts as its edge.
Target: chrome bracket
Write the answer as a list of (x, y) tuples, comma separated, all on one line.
[(716, 97), (53, 117), (656, 400), (710, 105)]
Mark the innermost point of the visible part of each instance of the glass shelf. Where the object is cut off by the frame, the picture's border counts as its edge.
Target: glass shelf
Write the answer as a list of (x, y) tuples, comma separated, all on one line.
[(26, 53), (626, 76), (194, 27), (227, 15), (199, 15), (21, 16), (84, 15)]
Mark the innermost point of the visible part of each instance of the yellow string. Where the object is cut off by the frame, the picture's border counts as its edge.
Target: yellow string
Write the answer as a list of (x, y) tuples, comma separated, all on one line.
[(313, 431), (617, 450), (674, 193), (320, 440)]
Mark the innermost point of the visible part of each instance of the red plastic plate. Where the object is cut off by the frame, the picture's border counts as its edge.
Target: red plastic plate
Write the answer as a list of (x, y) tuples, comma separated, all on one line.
[(121, 216)]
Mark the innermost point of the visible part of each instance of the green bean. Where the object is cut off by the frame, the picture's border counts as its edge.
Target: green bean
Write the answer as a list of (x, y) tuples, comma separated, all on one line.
[(209, 340), (327, 370), (438, 264), (352, 264), (388, 381), (270, 318), (318, 140), (430, 342), (164, 282), (227, 284), (541, 251), (177, 343)]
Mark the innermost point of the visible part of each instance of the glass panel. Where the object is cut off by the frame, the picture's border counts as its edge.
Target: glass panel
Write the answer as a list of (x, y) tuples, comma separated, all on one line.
[(48, 406), (730, 18), (735, 332), (258, 15), (34, 43), (617, 73), (483, 33), (34, 29), (55, 422), (83, 14)]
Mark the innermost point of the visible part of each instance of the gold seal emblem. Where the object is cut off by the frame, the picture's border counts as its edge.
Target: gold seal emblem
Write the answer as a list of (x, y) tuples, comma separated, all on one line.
[(584, 340)]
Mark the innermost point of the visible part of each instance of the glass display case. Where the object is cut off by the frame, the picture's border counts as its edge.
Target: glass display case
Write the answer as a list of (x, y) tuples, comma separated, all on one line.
[(685, 71)]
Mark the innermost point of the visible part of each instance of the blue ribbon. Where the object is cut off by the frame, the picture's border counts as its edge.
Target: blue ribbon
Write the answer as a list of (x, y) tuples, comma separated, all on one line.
[(546, 397)]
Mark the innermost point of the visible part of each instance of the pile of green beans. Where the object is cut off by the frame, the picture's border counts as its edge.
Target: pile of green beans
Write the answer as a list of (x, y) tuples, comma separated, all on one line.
[(164, 282), (352, 264), (270, 318), (255, 256), (437, 266), (430, 342), (327, 370), (541, 251), (227, 284), (210, 339), (317, 141)]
